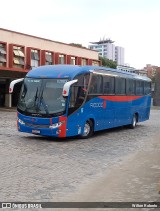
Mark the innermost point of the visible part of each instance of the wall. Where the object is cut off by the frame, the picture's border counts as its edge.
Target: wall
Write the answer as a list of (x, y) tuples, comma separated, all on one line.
[(36, 42)]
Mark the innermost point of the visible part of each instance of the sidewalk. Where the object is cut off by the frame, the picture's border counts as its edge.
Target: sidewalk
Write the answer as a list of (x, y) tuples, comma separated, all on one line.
[(12, 109), (155, 107)]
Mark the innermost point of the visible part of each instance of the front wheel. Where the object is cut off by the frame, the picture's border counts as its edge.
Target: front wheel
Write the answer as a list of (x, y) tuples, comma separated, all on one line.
[(88, 130), (134, 122)]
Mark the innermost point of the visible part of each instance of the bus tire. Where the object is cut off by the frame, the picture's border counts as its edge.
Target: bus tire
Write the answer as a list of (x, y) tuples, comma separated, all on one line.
[(88, 130), (134, 122)]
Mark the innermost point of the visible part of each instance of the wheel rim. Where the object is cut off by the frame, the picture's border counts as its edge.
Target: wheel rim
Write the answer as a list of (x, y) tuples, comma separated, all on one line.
[(86, 129), (134, 121)]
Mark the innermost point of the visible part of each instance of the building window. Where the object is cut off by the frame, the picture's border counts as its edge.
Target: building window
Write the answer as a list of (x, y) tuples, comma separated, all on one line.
[(2, 55), (95, 63), (34, 58), (18, 59), (48, 56), (73, 60), (84, 62), (61, 59)]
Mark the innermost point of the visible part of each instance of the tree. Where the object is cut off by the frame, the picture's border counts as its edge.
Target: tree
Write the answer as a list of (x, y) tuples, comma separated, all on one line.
[(156, 94), (77, 45), (107, 62)]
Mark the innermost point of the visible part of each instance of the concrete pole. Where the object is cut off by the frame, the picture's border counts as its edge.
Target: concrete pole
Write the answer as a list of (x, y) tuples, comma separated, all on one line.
[(10, 100)]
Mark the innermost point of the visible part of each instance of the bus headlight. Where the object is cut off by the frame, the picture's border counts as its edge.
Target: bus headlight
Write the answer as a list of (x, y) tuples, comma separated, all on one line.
[(21, 122), (55, 125)]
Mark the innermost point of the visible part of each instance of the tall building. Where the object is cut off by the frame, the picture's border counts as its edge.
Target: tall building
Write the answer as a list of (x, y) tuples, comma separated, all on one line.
[(119, 55), (107, 49)]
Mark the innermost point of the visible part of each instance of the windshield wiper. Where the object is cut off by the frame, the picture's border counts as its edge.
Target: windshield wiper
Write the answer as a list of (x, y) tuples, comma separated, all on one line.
[(35, 99), (43, 103), (32, 102)]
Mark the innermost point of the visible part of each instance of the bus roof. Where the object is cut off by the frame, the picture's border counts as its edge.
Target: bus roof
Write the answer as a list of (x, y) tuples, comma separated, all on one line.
[(70, 71)]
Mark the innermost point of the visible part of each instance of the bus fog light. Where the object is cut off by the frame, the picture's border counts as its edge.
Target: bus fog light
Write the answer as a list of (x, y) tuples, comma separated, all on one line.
[(21, 122), (58, 132), (55, 125)]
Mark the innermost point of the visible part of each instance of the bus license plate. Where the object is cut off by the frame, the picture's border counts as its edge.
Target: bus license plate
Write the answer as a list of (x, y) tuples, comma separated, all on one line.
[(36, 131)]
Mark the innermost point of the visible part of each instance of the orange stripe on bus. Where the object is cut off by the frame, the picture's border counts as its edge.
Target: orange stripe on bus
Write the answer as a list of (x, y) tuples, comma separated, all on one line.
[(120, 98)]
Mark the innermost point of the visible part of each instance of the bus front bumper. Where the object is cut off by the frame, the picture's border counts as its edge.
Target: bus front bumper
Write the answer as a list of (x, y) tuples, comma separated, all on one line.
[(56, 129)]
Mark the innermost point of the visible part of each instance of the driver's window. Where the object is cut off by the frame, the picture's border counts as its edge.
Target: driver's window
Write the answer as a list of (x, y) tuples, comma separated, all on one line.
[(78, 92)]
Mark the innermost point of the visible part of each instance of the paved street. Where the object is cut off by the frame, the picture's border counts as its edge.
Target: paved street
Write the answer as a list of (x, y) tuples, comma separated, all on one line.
[(45, 169)]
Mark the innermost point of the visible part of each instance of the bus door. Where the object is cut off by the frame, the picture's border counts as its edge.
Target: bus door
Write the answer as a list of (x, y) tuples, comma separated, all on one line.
[(77, 97)]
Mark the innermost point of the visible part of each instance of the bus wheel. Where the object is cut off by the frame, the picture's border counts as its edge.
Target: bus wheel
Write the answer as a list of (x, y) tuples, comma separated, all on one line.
[(88, 130), (134, 122)]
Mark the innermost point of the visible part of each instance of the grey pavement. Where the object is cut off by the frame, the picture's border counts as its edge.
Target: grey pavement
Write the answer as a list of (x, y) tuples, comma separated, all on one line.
[(117, 164)]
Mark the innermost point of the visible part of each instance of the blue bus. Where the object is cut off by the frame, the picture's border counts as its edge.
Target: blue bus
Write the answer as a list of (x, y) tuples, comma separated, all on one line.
[(69, 100)]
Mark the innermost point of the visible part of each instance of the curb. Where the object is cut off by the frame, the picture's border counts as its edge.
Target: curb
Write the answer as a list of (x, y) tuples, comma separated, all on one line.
[(8, 109)]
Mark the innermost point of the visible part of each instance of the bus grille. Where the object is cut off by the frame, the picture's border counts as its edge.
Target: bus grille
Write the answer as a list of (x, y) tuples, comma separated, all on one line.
[(36, 126)]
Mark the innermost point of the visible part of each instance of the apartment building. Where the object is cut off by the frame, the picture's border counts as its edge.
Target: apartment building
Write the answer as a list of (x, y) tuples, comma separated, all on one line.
[(107, 49)]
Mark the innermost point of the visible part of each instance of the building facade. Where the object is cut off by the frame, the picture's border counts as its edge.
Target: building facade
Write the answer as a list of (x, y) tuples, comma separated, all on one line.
[(119, 55), (19, 53), (129, 69), (151, 70), (107, 49), (125, 68), (156, 88)]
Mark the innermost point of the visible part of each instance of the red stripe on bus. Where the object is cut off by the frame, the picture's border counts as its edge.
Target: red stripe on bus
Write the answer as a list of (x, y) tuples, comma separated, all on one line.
[(120, 98), (62, 128)]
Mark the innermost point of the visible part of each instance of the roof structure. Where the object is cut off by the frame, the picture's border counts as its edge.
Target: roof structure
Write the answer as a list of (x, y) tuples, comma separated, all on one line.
[(103, 41), (70, 71)]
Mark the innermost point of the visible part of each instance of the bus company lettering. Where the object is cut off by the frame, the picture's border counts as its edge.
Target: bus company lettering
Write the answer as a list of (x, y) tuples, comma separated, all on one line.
[(96, 105)]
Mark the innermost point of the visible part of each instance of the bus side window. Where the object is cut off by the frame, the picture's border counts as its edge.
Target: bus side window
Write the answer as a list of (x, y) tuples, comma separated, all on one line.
[(147, 88), (139, 87), (108, 85), (96, 85), (73, 96), (120, 86), (130, 87), (82, 86), (78, 92), (86, 81)]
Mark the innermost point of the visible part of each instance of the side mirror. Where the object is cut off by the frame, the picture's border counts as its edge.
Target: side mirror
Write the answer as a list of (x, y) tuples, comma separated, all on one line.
[(11, 86), (66, 87)]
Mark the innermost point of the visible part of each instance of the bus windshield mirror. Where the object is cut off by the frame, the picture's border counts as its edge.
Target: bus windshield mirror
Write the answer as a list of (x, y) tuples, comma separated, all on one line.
[(67, 86)]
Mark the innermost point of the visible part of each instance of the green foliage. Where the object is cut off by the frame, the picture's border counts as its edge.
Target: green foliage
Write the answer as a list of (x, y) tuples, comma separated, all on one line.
[(76, 45), (107, 62)]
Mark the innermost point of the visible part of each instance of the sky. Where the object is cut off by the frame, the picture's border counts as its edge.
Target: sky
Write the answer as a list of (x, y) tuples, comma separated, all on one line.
[(132, 24)]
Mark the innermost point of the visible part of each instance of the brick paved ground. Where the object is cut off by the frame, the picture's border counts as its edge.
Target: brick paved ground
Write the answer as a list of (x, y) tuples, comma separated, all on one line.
[(35, 168)]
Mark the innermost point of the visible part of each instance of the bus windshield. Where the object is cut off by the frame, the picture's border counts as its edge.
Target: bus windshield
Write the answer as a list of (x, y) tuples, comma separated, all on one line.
[(42, 97)]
